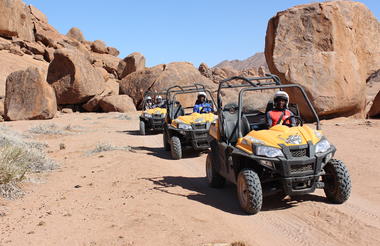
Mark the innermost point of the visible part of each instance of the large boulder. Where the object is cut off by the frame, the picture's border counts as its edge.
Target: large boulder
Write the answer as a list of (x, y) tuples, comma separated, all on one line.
[(132, 63), (375, 109), (117, 103), (15, 20), (108, 62), (113, 51), (11, 62), (112, 89), (75, 33), (160, 78), (29, 96), (73, 78), (99, 46), (329, 48)]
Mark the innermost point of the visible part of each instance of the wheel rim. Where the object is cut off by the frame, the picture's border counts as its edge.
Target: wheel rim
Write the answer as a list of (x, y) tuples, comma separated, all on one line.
[(242, 191)]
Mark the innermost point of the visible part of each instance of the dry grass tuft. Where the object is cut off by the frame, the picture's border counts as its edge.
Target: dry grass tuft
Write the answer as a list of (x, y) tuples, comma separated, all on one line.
[(19, 157), (47, 129), (103, 147)]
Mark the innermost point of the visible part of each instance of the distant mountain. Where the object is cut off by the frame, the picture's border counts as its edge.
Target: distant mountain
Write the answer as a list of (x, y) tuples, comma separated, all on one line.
[(254, 61)]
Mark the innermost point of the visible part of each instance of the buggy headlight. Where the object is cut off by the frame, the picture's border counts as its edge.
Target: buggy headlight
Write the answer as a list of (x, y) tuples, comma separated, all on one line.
[(268, 151), (147, 115), (184, 126), (322, 146)]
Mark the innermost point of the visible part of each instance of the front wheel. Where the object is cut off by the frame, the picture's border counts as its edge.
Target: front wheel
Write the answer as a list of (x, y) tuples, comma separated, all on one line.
[(142, 127), (215, 180), (249, 191), (176, 148), (337, 181)]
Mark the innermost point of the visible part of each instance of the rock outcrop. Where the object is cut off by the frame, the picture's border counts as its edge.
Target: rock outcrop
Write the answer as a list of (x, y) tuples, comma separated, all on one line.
[(29, 96), (76, 33), (10, 63), (16, 20), (132, 63), (73, 78), (99, 46), (118, 103), (330, 49), (161, 77), (375, 109)]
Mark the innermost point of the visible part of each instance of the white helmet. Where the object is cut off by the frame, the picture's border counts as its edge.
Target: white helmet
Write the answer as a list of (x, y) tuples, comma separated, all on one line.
[(148, 98), (159, 97), (202, 93), (282, 95)]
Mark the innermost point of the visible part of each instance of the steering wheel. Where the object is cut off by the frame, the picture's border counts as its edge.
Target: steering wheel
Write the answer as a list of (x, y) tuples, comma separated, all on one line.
[(298, 119)]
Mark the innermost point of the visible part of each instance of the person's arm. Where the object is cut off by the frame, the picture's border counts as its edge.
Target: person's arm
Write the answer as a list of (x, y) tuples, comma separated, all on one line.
[(269, 119), (209, 108), (196, 108)]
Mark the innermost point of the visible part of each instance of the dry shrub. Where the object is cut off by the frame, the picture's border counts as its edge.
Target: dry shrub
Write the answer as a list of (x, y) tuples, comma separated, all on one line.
[(18, 157)]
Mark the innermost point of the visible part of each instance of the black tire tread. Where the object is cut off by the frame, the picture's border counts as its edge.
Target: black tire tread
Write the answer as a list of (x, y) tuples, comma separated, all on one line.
[(343, 190), (255, 191), (166, 140), (217, 180), (142, 128), (176, 148)]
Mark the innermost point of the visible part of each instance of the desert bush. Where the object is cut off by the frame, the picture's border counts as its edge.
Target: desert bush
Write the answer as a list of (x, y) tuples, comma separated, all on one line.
[(103, 147), (46, 129), (54, 129), (18, 157), (122, 117)]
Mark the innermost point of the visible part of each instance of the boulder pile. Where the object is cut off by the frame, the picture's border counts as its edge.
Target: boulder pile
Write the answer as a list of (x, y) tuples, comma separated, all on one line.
[(330, 48)]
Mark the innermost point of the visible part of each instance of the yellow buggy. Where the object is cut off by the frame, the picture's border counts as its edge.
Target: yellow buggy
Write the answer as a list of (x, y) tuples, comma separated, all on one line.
[(263, 161)]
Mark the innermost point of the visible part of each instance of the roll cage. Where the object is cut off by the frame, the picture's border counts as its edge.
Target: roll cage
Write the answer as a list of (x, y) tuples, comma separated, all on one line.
[(172, 92), (268, 82)]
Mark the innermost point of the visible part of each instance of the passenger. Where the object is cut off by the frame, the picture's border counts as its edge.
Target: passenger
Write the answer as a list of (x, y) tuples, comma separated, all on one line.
[(280, 113), (159, 102), (201, 105), (148, 103)]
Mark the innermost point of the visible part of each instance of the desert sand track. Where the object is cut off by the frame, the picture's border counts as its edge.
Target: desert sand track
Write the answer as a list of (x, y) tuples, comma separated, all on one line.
[(142, 197)]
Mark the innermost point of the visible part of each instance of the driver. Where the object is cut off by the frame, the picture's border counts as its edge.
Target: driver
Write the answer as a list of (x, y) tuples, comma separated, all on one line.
[(148, 103), (159, 103), (201, 106), (280, 114)]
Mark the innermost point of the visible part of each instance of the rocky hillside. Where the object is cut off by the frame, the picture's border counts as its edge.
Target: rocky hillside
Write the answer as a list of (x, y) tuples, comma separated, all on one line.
[(330, 48), (83, 75), (255, 61)]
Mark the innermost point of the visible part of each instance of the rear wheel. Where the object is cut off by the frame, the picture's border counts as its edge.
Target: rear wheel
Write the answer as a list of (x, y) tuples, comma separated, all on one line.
[(166, 140), (142, 127), (215, 180), (337, 181), (249, 191), (176, 148)]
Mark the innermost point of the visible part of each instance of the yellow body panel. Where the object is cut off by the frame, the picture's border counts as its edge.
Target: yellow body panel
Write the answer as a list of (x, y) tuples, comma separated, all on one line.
[(156, 111), (214, 130), (194, 118), (279, 135)]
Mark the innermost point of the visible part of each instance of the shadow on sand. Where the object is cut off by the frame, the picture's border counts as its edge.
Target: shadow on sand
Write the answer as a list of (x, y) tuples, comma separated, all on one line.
[(163, 154), (224, 199)]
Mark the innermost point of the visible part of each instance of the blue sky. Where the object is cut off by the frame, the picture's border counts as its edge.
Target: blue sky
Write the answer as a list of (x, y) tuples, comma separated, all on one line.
[(173, 30)]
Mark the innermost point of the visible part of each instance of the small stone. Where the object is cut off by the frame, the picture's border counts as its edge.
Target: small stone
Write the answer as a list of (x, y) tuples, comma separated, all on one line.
[(62, 146)]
